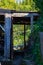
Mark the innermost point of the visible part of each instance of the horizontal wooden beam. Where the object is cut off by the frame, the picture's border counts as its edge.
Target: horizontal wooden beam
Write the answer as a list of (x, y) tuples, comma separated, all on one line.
[(21, 14), (24, 14), (15, 13)]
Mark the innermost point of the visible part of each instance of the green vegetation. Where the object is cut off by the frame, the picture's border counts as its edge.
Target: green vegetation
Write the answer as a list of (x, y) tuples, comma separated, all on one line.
[(18, 34), (36, 45), (26, 5), (38, 28), (27, 32)]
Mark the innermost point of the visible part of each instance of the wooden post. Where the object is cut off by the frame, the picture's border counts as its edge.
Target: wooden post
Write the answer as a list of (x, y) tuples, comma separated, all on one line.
[(7, 36), (31, 23), (31, 29)]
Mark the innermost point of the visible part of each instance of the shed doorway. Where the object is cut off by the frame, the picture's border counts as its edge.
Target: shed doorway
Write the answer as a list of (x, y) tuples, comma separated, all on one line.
[(21, 31)]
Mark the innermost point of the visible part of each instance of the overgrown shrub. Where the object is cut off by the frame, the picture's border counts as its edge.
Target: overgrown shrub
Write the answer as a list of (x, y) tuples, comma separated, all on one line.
[(36, 45)]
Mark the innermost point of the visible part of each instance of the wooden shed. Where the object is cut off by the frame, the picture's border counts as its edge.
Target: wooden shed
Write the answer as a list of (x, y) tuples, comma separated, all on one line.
[(7, 18)]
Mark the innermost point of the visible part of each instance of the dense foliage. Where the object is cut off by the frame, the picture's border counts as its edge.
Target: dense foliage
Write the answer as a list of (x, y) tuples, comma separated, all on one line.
[(18, 34), (36, 50), (26, 5), (38, 28)]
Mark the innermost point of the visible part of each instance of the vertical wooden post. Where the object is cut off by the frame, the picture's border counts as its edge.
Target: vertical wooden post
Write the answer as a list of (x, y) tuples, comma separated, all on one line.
[(31, 23), (31, 29), (7, 36)]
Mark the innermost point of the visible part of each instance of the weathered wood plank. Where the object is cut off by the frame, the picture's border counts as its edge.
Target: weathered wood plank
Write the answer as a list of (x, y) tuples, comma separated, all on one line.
[(7, 36)]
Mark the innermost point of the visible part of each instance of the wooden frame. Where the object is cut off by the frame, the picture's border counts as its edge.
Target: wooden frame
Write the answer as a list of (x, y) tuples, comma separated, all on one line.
[(12, 15)]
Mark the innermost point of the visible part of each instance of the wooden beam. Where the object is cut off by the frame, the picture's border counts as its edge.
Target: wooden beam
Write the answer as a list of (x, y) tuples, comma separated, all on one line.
[(31, 29), (24, 14), (7, 36), (31, 23)]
